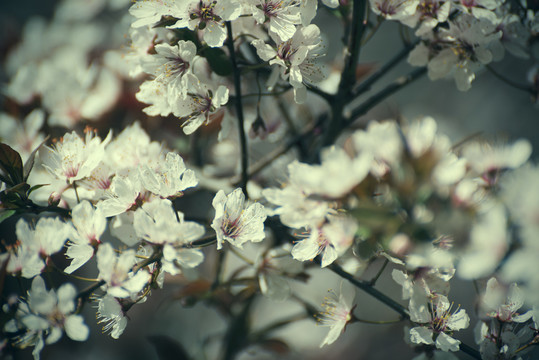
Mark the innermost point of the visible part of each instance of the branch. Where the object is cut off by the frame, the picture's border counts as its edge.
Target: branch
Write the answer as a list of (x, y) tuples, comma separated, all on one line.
[(348, 76), (509, 82), (366, 287), (384, 93), (366, 85), (239, 110)]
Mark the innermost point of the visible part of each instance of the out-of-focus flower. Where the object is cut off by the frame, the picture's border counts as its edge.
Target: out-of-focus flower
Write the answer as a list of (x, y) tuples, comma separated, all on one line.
[(45, 314)]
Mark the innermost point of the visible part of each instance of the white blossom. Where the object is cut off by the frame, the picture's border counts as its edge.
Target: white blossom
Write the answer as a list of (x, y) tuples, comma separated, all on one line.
[(235, 221), (436, 318), (44, 316), (73, 158), (337, 312)]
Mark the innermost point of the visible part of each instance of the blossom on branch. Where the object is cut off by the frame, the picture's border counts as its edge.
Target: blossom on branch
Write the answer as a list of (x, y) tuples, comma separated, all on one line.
[(235, 221)]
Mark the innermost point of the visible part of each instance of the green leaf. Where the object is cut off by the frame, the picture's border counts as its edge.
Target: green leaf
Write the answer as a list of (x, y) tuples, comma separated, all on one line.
[(5, 214), (218, 60), (30, 162), (11, 164)]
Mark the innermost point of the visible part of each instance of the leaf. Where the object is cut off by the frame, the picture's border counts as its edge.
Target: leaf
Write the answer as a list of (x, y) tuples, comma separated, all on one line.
[(30, 162), (218, 60), (35, 187), (167, 348), (11, 164), (6, 214)]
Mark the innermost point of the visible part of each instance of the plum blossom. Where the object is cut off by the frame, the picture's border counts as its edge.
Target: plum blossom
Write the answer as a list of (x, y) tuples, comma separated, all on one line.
[(459, 50), (346, 173), (429, 14), (117, 272), (35, 244), (111, 314), (503, 303), (170, 64), (202, 101), (394, 9), (235, 221), (169, 177), (329, 241), (295, 58), (274, 267), (283, 16), (24, 137), (208, 17), (73, 158), (45, 315), (150, 12), (157, 223), (337, 312), (488, 161), (436, 320), (89, 224)]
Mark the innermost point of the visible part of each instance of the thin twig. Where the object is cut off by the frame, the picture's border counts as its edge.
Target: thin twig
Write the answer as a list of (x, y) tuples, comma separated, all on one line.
[(348, 76), (366, 287), (377, 276), (384, 93), (367, 84), (509, 82), (239, 110)]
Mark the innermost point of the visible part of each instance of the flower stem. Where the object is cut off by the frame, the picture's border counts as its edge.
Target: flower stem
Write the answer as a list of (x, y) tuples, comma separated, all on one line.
[(366, 287), (377, 276), (509, 82), (367, 84), (239, 110), (384, 93)]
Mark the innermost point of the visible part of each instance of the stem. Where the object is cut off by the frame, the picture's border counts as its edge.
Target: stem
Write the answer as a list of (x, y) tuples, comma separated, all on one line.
[(382, 322), (278, 324), (366, 287), (509, 82), (156, 256), (241, 256), (262, 164), (57, 269), (200, 243), (324, 95), (348, 76), (384, 93), (86, 292), (366, 85), (76, 192), (218, 269), (375, 278), (239, 110), (352, 56), (373, 31)]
